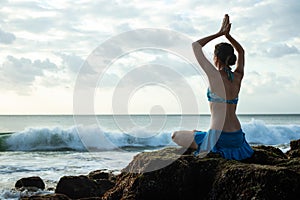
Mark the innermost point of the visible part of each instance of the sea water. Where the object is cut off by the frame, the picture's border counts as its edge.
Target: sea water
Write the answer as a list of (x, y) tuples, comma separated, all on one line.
[(51, 146)]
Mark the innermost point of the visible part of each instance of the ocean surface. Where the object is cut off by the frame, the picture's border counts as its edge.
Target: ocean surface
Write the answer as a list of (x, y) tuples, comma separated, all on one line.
[(51, 146)]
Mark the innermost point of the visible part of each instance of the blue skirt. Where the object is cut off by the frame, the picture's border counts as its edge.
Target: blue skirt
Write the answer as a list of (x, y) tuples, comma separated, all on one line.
[(230, 145)]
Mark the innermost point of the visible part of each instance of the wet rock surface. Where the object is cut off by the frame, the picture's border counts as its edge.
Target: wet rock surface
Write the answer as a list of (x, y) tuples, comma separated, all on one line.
[(31, 183), (171, 174)]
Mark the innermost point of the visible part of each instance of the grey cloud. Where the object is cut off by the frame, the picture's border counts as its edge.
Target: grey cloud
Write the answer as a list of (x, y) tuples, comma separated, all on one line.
[(108, 80), (21, 73), (285, 19), (44, 65), (20, 70), (6, 37), (270, 20), (280, 50), (158, 70), (35, 25), (266, 83), (24, 5), (123, 27), (71, 61), (69, 19), (178, 64), (183, 24), (117, 9)]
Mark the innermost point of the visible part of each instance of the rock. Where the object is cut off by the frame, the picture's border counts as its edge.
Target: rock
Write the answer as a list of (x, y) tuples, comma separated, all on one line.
[(174, 173), (92, 186), (104, 185), (295, 144), (47, 197), (269, 174), (255, 182), (98, 174), (77, 187), (104, 179), (294, 152), (30, 183), (266, 155), (102, 174), (178, 180)]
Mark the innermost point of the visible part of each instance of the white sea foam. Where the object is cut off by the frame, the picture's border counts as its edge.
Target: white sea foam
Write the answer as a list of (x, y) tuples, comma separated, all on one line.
[(79, 138), (257, 132)]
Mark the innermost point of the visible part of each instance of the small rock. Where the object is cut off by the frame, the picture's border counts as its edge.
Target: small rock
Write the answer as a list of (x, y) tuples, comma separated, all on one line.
[(30, 182), (77, 187)]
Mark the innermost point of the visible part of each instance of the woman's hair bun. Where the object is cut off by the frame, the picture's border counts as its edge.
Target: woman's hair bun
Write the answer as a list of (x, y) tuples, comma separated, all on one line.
[(230, 60), (225, 52)]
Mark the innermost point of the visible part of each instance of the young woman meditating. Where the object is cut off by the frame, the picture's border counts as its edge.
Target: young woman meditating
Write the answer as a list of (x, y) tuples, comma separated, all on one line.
[(222, 94)]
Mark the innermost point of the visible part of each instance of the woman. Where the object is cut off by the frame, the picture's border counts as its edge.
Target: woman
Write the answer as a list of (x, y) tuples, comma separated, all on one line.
[(225, 135)]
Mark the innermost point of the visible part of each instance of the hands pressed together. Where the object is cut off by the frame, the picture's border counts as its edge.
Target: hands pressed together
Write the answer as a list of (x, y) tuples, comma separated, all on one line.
[(226, 25)]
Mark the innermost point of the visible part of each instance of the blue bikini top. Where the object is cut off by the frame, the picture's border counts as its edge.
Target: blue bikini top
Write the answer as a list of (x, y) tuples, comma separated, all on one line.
[(212, 97)]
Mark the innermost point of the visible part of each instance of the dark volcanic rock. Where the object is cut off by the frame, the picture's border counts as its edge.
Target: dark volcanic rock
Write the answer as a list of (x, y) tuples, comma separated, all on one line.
[(266, 155), (102, 174), (99, 174), (104, 179), (255, 181), (30, 182), (181, 179), (77, 187), (295, 144), (269, 174), (47, 197), (104, 185), (294, 152), (92, 186)]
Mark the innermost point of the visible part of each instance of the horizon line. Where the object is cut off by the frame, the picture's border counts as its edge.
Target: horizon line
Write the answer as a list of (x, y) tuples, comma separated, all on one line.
[(70, 114)]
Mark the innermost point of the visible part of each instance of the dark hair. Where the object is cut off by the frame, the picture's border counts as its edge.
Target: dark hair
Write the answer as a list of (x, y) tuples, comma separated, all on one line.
[(225, 53)]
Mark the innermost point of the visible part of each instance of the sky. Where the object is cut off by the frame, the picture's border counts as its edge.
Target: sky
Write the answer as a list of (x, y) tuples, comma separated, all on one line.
[(46, 47)]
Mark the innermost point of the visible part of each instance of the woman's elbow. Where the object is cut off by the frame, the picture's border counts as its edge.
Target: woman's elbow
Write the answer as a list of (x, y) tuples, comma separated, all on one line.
[(194, 45)]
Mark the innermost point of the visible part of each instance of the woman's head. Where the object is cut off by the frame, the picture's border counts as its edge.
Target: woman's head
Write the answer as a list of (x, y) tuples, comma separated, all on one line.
[(224, 53)]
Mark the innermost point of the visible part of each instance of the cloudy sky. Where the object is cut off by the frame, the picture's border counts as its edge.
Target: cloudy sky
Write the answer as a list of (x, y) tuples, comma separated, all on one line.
[(45, 46)]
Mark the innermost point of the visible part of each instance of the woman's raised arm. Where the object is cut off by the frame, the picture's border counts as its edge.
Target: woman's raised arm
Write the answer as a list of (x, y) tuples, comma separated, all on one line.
[(241, 54), (208, 68), (197, 47)]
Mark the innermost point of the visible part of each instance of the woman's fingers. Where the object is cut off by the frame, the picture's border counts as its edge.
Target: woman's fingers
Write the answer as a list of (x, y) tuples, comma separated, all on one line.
[(226, 19), (225, 25)]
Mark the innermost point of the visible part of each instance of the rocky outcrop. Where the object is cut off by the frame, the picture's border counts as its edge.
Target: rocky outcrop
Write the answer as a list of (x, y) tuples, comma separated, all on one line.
[(171, 174), (268, 174)]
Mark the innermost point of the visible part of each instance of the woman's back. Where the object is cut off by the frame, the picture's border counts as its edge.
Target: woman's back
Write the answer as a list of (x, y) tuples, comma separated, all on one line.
[(223, 106)]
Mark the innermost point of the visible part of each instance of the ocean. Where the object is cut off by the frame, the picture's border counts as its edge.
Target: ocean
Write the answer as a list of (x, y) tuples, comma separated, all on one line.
[(51, 146)]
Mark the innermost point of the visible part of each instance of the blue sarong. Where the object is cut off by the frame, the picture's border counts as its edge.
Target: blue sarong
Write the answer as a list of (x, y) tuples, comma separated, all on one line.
[(230, 145)]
